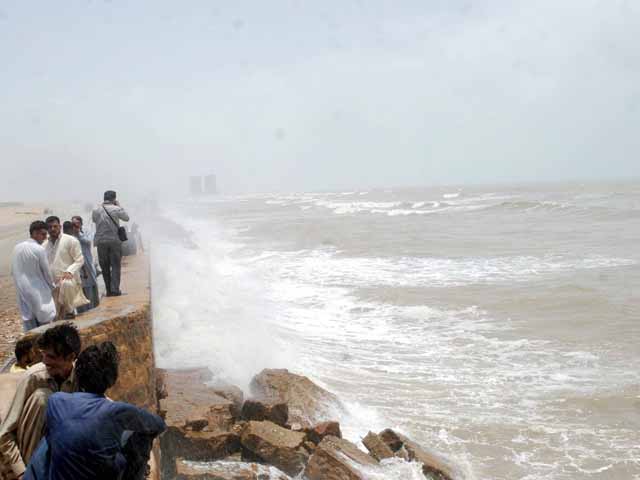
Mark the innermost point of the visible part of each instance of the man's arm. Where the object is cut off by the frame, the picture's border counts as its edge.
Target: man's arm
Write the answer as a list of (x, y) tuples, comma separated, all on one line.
[(44, 268), (122, 214), (135, 419), (10, 456), (75, 250), (95, 216)]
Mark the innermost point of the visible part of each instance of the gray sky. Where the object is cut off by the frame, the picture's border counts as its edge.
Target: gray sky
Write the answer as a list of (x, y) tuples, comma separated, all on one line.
[(299, 95)]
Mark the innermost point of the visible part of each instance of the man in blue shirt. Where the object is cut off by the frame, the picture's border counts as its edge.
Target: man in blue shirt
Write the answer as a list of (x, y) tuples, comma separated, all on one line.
[(87, 432)]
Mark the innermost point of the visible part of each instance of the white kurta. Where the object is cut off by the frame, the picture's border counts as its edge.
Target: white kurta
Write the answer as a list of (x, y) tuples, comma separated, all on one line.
[(33, 281), (65, 255)]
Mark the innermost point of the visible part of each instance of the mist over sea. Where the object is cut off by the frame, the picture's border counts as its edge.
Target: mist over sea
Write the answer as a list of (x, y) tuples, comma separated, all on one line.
[(497, 325)]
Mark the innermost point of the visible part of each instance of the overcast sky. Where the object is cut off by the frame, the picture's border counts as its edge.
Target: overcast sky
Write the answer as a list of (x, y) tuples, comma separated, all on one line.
[(301, 95)]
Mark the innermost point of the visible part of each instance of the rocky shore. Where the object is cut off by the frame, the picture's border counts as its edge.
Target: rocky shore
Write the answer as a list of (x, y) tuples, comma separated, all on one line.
[(285, 430)]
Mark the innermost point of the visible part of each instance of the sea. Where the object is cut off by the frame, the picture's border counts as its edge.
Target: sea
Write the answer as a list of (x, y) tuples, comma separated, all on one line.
[(496, 325)]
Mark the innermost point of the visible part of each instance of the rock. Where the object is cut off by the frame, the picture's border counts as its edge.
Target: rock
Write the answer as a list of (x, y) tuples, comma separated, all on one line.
[(433, 465), (231, 393), (309, 446), (391, 439), (377, 448), (191, 405), (276, 445), (259, 410), (225, 470), (308, 403), (402, 453), (337, 459), (201, 446), (323, 429), (198, 421)]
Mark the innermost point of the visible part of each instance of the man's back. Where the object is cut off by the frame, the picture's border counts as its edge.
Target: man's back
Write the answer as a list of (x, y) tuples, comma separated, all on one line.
[(85, 434), (107, 227)]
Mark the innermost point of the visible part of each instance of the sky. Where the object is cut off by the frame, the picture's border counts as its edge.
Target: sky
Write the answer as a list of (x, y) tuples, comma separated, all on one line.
[(300, 95)]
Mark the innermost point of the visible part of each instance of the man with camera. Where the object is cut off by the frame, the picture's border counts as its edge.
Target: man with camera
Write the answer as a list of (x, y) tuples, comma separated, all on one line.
[(108, 240)]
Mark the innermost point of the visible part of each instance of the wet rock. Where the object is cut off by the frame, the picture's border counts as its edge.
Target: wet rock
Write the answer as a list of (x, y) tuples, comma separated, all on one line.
[(308, 403), (402, 453), (198, 420), (276, 445), (260, 410), (201, 446), (226, 470), (433, 465), (323, 429), (231, 393), (337, 459), (191, 405), (377, 448)]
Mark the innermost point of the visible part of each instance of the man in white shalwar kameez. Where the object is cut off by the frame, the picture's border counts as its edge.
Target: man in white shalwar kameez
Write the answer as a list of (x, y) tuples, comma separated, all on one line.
[(33, 280), (66, 260)]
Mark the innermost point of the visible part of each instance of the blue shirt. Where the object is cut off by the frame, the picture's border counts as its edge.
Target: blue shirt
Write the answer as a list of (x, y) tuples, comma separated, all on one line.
[(85, 436)]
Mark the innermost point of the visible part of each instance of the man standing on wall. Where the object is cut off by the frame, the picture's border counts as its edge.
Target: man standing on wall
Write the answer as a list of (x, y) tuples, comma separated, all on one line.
[(107, 219), (33, 280), (88, 272), (66, 260)]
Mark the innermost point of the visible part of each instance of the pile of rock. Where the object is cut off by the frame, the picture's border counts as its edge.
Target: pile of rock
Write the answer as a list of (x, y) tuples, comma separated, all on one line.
[(281, 432)]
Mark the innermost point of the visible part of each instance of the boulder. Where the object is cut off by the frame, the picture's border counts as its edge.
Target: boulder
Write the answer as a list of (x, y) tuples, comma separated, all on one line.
[(191, 405), (323, 429), (233, 394), (259, 410), (337, 459), (377, 448), (198, 420), (308, 403), (224, 470), (433, 465), (200, 446), (276, 445)]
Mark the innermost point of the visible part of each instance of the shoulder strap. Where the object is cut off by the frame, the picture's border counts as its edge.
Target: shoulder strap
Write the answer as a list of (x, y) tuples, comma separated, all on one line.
[(107, 212)]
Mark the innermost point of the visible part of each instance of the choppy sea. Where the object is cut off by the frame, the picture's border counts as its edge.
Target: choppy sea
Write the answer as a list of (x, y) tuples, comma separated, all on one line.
[(498, 325)]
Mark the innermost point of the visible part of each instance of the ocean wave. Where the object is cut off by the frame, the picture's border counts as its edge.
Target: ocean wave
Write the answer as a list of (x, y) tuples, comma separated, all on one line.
[(331, 269)]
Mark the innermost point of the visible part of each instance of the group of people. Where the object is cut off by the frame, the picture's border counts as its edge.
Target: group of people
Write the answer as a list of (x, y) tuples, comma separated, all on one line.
[(60, 424), (54, 271)]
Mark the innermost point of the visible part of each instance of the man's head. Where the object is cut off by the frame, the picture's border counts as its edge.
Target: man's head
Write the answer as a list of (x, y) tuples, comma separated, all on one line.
[(25, 354), (38, 231), (53, 226), (77, 223), (60, 346), (97, 368), (109, 196), (67, 228)]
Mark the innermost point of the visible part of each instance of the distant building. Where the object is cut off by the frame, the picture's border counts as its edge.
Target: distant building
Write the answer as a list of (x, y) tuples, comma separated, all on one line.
[(195, 186), (210, 186)]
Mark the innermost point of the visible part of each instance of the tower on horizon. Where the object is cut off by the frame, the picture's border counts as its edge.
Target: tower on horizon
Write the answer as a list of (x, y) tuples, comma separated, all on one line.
[(210, 185)]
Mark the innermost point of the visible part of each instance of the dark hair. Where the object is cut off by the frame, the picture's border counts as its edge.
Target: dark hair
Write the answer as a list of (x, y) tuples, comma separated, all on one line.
[(52, 218), (77, 217), (109, 196), (67, 227), (97, 368), (23, 347), (37, 225), (63, 339)]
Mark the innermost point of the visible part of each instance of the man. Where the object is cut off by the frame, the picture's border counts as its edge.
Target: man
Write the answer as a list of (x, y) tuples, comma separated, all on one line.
[(86, 431), (65, 258), (88, 273), (107, 219), (33, 280), (25, 355), (23, 426)]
